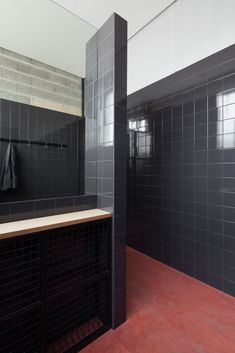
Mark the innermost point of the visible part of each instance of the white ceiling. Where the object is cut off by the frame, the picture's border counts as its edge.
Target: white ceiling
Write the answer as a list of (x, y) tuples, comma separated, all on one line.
[(96, 12)]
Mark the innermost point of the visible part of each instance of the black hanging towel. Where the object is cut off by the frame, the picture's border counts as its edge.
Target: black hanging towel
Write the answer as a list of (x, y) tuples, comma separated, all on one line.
[(9, 178)]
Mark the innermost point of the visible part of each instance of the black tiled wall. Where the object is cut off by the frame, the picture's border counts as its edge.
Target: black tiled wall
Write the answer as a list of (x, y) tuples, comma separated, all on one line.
[(181, 180), (106, 141), (43, 172), (51, 180)]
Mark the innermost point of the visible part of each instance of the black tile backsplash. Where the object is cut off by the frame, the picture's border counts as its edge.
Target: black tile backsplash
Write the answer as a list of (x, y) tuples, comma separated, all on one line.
[(20, 210), (181, 177)]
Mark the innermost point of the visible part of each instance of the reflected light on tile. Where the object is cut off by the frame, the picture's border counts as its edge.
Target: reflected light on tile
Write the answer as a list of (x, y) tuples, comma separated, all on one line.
[(226, 132), (229, 126), (229, 97), (108, 98), (229, 141), (229, 111), (132, 125)]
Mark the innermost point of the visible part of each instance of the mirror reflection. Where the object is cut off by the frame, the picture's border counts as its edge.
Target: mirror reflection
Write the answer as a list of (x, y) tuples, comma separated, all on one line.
[(42, 67)]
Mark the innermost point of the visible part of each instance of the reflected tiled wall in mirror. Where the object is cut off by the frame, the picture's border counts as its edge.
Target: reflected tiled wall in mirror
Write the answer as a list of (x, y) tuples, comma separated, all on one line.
[(43, 171)]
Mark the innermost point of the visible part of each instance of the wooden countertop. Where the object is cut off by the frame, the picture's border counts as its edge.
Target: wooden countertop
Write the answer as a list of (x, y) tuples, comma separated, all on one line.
[(34, 225)]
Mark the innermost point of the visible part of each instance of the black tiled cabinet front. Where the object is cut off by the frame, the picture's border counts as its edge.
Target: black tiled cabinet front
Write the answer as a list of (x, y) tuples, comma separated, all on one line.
[(55, 289)]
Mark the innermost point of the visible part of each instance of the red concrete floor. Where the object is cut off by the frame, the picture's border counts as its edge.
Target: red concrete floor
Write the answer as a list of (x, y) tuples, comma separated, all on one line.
[(169, 312)]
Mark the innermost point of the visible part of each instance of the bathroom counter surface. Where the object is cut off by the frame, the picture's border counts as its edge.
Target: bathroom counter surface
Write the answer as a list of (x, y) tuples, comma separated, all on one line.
[(34, 225)]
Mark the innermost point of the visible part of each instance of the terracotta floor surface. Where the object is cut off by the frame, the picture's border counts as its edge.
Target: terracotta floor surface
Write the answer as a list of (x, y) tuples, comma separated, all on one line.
[(169, 312)]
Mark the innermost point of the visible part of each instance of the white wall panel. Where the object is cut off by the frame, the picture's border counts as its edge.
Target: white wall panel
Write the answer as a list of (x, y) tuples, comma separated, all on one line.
[(151, 52), (187, 32)]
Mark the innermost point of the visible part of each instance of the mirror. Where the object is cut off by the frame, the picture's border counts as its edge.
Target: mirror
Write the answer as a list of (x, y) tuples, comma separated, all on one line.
[(42, 67)]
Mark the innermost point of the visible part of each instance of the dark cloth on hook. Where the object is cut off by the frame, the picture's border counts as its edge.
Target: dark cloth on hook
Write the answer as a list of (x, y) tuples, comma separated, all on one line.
[(8, 179)]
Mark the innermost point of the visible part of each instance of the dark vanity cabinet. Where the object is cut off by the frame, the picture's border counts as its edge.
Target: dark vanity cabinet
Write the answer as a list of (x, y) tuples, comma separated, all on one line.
[(20, 307), (55, 292)]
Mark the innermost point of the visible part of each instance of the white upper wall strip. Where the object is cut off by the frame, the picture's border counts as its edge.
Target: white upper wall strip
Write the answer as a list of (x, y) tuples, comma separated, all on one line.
[(188, 31)]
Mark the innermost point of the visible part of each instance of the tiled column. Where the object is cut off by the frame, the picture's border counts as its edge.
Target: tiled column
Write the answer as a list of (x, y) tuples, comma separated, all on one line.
[(107, 151)]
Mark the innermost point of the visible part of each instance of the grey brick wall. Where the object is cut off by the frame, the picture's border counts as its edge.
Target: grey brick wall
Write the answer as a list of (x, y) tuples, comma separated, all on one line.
[(28, 81)]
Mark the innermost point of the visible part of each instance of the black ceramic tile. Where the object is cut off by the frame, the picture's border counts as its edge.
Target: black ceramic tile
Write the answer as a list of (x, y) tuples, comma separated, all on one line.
[(21, 210), (188, 108), (229, 273), (64, 205), (229, 170), (229, 214), (229, 258), (84, 202), (216, 268), (229, 287), (229, 243), (4, 213), (24, 121), (215, 239), (14, 120), (229, 82), (201, 104), (229, 228), (215, 86), (44, 208), (15, 211), (5, 118), (216, 281)]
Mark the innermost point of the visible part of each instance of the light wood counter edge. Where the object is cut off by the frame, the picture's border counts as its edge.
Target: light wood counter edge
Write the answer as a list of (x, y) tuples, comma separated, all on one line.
[(24, 227)]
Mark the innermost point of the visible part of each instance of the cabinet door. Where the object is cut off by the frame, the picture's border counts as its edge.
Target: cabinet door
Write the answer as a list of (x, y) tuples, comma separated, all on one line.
[(77, 254), (77, 316), (20, 295), (77, 304), (19, 274), (20, 333)]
